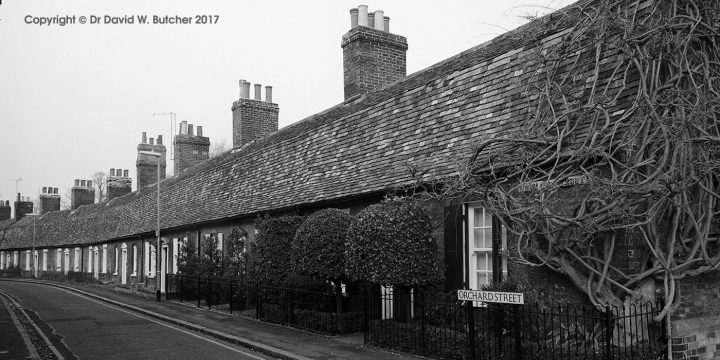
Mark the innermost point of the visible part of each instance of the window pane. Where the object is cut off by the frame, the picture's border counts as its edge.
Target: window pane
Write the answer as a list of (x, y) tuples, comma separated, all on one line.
[(481, 261), (488, 237), (482, 279), (478, 238), (478, 217)]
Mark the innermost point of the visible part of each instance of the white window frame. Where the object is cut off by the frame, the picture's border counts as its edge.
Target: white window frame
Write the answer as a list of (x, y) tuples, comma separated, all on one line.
[(2, 260), (117, 260), (27, 259), (44, 261), (176, 251), (146, 258), (153, 261), (104, 259), (58, 259), (66, 260), (76, 266), (135, 259), (89, 260), (16, 259), (476, 272)]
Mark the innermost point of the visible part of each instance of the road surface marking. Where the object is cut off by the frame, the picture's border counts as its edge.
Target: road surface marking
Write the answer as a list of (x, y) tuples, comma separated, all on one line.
[(164, 324), (37, 328)]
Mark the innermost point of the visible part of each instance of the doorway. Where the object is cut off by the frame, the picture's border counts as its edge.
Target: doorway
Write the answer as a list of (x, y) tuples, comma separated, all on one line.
[(163, 267), (123, 265)]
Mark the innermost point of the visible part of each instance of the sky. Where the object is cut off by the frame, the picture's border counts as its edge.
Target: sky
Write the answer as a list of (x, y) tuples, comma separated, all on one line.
[(74, 99)]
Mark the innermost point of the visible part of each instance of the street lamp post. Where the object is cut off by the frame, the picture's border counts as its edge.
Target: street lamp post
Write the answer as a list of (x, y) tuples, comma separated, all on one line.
[(157, 230)]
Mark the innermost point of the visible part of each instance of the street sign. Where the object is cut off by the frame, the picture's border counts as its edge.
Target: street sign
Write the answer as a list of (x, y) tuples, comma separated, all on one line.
[(491, 296)]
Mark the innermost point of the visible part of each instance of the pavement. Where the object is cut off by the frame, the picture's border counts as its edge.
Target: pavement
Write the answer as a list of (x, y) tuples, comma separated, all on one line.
[(274, 340), (14, 342)]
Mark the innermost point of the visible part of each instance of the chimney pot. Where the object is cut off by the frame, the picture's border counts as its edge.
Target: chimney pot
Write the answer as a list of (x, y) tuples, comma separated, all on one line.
[(55, 191), (183, 127), (244, 89), (125, 173), (353, 18), (152, 141), (268, 94), (89, 183), (199, 130), (82, 183), (258, 89), (44, 190), (386, 20), (371, 20), (77, 182), (159, 140), (362, 15), (190, 129), (112, 172), (144, 137), (379, 22)]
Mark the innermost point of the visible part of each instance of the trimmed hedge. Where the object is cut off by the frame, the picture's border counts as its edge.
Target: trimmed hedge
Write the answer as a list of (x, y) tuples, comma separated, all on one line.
[(318, 249), (271, 256), (393, 243)]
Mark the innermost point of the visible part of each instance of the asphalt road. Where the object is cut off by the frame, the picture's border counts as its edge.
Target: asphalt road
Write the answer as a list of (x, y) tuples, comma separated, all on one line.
[(79, 327)]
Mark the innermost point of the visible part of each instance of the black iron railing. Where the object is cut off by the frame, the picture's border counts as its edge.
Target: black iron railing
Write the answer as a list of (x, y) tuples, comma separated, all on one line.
[(439, 326), (305, 309)]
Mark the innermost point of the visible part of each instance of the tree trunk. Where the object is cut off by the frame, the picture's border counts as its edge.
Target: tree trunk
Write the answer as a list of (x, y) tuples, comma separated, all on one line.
[(631, 328), (338, 305), (402, 303)]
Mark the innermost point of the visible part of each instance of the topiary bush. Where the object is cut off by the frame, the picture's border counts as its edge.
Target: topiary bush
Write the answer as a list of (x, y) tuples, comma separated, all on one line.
[(319, 246), (392, 243), (236, 256), (272, 261), (319, 249)]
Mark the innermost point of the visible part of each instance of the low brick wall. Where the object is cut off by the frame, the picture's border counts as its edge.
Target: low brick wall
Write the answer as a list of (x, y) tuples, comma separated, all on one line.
[(695, 326)]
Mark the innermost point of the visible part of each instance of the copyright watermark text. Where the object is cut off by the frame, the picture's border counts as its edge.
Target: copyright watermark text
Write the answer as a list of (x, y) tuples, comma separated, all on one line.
[(63, 20)]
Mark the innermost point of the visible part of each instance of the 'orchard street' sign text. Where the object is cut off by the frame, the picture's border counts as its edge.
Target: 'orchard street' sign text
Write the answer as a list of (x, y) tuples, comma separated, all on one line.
[(491, 296)]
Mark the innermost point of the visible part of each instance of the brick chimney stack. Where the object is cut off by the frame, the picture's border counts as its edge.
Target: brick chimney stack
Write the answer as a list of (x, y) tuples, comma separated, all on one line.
[(147, 164), (372, 56), (5, 210), (82, 193), (49, 200), (190, 149), (23, 206), (118, 183), (253, 118)]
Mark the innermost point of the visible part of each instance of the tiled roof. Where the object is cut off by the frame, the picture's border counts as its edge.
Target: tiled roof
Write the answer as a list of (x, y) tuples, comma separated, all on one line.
[(361, 146)]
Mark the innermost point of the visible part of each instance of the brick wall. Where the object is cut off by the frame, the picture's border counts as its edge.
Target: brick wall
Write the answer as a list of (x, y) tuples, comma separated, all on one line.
[(81, 195), (253, 119), (23, 208), (118, 186), (147, 164), (5, 210), (695, 326), (190, 150), (49, 202), (372, 59)]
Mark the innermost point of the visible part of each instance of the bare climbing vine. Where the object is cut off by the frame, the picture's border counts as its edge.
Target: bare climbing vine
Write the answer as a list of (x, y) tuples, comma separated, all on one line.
[(621, 143)]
